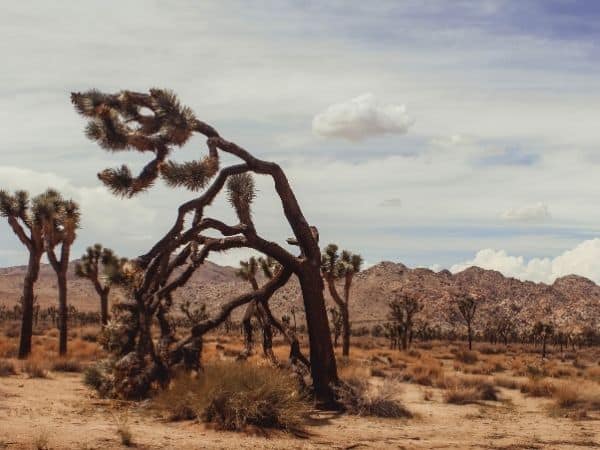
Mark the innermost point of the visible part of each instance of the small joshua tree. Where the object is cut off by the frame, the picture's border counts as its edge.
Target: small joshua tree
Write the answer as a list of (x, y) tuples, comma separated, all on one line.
[(248, 271), (336, 321), (60, 222), (403, 309), (467, 307), (103, 268), (156, 124), (543, 330), (27, 220), (335, 267)]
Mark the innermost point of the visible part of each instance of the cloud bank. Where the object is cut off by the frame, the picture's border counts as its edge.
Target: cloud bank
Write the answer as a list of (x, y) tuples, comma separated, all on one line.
[(529, 213), (582, 260), (360, 118)]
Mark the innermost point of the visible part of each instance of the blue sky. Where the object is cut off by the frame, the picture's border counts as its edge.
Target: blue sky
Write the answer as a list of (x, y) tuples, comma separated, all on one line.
[(434, 133)]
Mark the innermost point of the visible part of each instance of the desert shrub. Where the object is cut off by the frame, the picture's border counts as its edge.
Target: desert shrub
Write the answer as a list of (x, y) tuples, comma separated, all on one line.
[(66, 365), (12, 330), (7, 368), (42, 441), (93, 377), (89, 336), (489, 349), (583, 396), (358, 397), (466, 356), (34, 369), (236, 395), (537, 387), (579, 364), (414, 353), (425, 372), (459, 395), (506, 382), (470, 391), (124, 431)]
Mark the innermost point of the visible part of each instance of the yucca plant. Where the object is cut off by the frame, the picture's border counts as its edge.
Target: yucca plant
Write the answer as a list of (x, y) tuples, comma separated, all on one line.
[(40, 224), (156, 124), (60, 220), (341, 267), (403, 308), (103, 268), (467, 307)]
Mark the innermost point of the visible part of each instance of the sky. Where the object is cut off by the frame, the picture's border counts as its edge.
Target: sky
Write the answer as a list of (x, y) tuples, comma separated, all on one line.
[(433, 133)]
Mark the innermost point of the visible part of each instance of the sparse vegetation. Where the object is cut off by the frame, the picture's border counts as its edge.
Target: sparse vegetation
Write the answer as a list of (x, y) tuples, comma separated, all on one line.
[(7, 368), (235, 396), (360, 398)]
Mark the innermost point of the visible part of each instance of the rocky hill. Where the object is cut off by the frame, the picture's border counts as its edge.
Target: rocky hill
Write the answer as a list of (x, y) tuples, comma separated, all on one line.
[(571, 301)]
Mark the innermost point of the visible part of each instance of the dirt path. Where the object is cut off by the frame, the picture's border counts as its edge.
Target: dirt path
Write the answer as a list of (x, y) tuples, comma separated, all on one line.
[(68, 414)]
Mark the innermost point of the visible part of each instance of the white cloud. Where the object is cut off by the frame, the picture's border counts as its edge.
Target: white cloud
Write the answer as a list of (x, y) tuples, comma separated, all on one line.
[(393, 202), (528, 213), (583, 260), (360, 118)]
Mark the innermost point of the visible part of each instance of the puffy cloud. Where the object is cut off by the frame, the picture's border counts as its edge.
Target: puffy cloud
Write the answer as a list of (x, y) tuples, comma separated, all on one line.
[(583, 260), (360, 118), (529, 213)]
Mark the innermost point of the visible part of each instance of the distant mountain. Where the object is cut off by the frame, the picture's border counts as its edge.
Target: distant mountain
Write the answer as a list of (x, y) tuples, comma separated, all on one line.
[(571, 301)]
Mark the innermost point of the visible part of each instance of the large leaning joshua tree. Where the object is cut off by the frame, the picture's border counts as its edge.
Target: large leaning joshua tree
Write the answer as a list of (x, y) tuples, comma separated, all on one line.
[(103, 268), (60, 222), (155, 124), (344, 267), (25, 221)]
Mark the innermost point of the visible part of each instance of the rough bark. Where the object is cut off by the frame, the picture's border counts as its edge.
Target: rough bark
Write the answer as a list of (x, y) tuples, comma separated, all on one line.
[(33, 270)]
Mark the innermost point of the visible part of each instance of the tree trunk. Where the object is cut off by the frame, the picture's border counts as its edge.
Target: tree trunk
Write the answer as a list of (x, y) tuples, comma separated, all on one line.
[(322, 358), (33, 270), (470, 337), (346, 332), (63, 314), (104, 308)]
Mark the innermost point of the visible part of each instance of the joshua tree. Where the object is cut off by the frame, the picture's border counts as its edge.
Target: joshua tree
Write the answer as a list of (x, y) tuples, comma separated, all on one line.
[(25, 218), (335, 267), (403, 308), (155, 124), (336, 321), (103, 268), (193, 314), (247, 271), (467, 307), (60, 221), (543, 330)]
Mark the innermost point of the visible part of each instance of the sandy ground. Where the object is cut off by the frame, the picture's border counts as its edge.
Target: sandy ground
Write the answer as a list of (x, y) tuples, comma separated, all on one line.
[(69, 415)]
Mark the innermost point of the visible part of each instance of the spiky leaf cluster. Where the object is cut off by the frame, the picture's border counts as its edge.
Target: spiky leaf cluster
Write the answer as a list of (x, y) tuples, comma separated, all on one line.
[(241, 193), (154, 122), (338, 266), (193, 175), (269, 266), (101, 262), (248, 269), (16, 205)]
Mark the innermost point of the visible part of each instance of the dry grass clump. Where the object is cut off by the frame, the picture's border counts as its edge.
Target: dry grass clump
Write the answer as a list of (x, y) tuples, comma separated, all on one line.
[(34, 369), (12, 330), (237, 395), (582, 396), (124, 430), (42, 441), (466, 356), (66, 365), (538, 387), (7, 368), (360, 398), (507, 382), (489, 349), (426, 372)]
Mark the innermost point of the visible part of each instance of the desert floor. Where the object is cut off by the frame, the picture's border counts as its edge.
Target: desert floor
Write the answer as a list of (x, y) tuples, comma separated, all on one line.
[(59, 411)]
